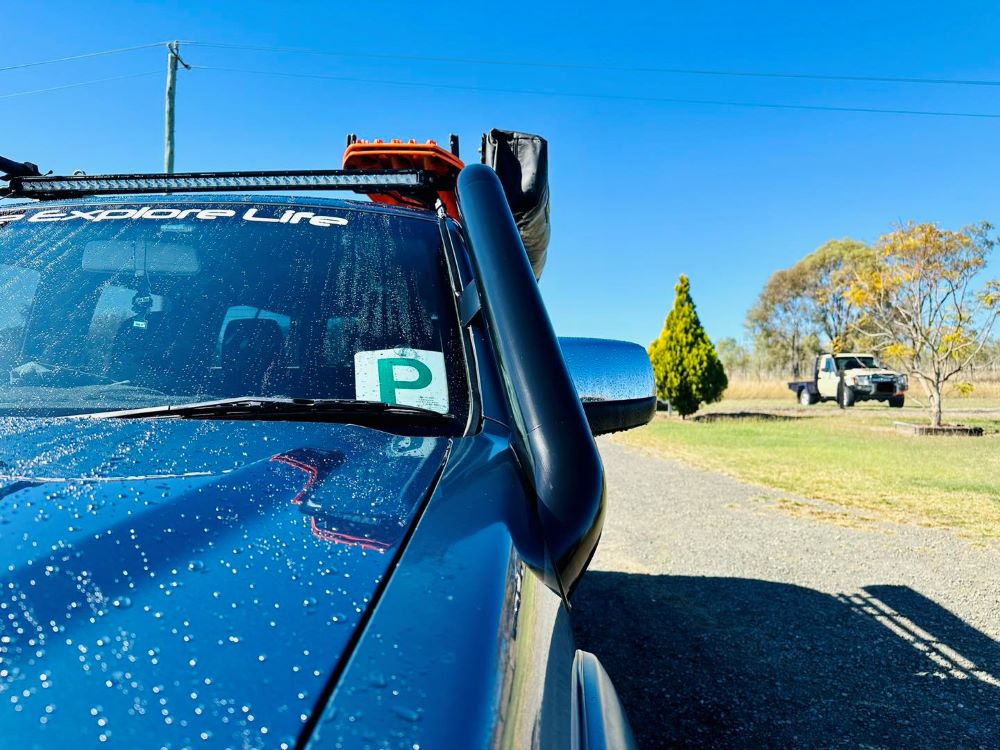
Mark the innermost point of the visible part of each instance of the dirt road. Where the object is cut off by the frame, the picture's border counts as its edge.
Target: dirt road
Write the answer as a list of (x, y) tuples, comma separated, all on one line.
[(732, 616)]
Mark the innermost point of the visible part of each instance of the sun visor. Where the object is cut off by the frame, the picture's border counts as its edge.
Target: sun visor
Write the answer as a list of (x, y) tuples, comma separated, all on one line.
[(521, 161)]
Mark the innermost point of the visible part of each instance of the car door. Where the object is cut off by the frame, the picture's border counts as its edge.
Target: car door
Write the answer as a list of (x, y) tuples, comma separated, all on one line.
[(827, 378)]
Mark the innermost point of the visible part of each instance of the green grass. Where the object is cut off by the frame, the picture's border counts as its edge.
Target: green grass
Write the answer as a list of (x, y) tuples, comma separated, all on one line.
[(853, 458)]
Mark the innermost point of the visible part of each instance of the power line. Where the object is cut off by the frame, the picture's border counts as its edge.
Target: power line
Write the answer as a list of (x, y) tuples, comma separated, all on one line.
[(534, 64), (528, 92), (78, 84), (614, 68), (81, 57), (613, 97)]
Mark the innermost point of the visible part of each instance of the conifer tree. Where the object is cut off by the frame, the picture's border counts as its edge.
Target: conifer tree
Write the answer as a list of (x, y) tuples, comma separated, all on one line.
[(687, 367)]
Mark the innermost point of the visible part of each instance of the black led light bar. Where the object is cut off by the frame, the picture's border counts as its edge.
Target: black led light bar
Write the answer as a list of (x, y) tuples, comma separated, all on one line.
[(360, 181)]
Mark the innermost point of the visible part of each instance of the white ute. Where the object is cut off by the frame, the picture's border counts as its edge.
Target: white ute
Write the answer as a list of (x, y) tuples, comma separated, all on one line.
[(849, 377)]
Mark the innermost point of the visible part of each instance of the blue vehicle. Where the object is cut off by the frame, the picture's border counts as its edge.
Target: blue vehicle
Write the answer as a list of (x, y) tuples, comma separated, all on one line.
[(294, 472)]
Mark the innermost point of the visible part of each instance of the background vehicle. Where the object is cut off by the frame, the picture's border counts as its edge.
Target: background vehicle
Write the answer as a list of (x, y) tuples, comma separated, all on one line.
[(294, 471), (850, 377)]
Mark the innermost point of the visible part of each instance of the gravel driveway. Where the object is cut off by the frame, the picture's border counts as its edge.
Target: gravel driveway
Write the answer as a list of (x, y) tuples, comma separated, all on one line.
[(732, 616)]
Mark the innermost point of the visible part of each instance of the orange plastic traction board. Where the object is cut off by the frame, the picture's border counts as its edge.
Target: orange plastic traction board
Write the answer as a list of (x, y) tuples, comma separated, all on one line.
[(396, 154)]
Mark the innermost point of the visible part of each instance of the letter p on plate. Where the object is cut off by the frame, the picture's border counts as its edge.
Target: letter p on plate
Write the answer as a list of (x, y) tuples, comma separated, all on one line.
[(409, 377)]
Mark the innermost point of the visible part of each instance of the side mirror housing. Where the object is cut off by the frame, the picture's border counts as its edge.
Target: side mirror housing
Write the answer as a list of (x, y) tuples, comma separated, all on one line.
[(614, 380)]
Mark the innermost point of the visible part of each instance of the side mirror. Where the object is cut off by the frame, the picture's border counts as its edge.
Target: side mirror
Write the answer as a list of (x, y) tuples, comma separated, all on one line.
[(614, 380)]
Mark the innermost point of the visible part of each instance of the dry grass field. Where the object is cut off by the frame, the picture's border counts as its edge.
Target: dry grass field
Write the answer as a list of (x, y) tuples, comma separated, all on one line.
[(741, 389), (853, 457)]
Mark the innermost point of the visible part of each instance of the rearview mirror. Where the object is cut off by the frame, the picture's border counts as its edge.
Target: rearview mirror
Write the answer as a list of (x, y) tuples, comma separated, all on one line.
[(110, 256), (614, 380)]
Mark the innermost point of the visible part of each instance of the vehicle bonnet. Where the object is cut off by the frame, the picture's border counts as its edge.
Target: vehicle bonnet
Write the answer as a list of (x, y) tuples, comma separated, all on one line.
[(194, 581)]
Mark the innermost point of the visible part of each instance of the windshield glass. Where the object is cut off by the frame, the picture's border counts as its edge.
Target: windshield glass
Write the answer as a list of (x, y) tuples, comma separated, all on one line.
[(856, 363), (120, 306)]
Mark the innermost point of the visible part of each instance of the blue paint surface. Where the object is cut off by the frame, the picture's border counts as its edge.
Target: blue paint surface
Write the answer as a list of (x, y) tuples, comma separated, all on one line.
[(190, 581)]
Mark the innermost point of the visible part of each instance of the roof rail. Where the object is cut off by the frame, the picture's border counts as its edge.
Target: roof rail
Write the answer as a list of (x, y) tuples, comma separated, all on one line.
[(25, 184)]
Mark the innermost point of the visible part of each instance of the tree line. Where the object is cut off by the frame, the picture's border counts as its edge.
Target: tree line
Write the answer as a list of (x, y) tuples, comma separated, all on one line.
[(744, 361), (920, 297)]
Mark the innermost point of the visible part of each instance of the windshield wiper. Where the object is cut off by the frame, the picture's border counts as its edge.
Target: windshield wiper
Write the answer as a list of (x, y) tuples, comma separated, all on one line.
[(249, 407)]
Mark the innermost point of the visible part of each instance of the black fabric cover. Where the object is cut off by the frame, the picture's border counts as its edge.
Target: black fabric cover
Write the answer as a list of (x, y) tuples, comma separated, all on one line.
[(521, 161)]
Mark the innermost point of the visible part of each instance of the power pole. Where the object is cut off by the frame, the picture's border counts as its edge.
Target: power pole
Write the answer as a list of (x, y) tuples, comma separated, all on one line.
[(173, 57)]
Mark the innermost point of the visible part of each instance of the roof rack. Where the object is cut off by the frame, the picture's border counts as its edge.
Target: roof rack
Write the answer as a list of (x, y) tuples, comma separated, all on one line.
[(51, 187)]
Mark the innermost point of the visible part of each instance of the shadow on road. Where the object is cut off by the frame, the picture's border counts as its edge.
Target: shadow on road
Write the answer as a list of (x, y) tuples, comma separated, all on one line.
[(731, 662)]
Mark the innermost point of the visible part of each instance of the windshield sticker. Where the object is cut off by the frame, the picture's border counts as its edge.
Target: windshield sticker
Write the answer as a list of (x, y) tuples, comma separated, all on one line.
[(159, 213), (409, 377)]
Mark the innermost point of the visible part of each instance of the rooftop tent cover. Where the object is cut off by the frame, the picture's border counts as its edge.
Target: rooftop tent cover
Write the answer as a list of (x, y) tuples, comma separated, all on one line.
[(521, 161)]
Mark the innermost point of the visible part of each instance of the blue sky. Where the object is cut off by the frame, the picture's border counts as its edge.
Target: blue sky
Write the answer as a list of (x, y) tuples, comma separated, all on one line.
[(641, 191)]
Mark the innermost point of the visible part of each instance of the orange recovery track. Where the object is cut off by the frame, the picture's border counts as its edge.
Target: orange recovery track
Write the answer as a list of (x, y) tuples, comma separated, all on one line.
[(395, 154)]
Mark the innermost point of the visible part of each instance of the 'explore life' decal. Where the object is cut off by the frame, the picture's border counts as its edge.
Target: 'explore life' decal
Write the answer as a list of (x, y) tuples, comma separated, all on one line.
[(166, 213)]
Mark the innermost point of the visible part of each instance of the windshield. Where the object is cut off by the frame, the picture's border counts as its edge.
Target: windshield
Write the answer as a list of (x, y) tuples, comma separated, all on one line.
[(120, 306), (856, 363)]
